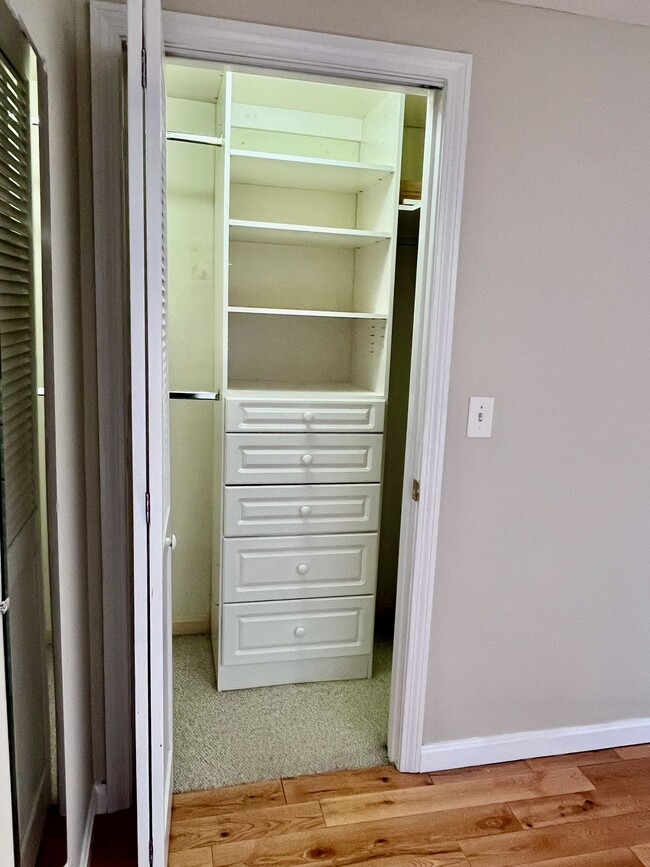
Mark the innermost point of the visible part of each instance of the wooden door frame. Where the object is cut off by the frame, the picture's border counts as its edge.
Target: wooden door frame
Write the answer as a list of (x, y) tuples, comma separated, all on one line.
[(227, 41)]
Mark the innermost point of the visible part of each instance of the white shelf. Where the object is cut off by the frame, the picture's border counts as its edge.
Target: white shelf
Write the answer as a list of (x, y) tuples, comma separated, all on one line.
[(242, 389), (304, 173), (300, 235), (282, 311)]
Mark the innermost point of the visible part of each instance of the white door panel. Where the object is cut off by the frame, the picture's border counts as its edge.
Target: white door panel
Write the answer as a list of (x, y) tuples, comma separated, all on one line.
[(150, 423)]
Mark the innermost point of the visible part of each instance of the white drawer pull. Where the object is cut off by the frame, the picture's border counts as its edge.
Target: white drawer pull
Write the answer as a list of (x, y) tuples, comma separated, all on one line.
[(302, 569), (308, 416), (305, 511), (300, 631), (171, 541), (306, 460)]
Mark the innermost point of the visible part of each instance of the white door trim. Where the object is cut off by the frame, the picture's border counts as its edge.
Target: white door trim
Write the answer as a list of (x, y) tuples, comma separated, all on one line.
[(325, 54)]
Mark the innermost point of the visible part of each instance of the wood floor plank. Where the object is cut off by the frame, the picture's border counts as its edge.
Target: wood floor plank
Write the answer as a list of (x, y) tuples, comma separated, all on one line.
[(627, 775), (191, 858), (574, 760), (457, 775), (558, 841), (244, 825), (643, 854), (638, 751), (212, 802), (431, 834), (610, 858), (540, 812), (456, 858), (428, 799), (341, 783)]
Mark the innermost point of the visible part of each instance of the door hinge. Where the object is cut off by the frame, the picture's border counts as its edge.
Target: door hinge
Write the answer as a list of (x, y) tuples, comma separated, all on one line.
[(415, 491), (147, 506), (143, 57), (151, 852), (4, 606)]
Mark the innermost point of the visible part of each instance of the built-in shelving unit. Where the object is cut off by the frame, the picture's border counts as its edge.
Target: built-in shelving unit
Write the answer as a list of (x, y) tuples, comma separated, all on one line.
[(311, 197)]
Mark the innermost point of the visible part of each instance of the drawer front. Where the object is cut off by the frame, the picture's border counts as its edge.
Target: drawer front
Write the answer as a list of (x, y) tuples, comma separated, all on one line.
[(300, 510), (302, 629), (299, 567), (358, 416), (278, 459)]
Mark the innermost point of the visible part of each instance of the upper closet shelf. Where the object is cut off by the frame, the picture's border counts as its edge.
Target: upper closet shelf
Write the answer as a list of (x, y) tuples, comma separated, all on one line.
[(304, 173), (318, 236), (285, 311)]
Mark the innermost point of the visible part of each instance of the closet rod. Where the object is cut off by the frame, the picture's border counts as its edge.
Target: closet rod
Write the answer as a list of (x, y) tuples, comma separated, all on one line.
[(215, 141), (195, 395)]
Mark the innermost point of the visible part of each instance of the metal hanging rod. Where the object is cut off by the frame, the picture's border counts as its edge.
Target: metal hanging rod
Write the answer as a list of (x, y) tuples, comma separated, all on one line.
[(214, 140), (194, 395)]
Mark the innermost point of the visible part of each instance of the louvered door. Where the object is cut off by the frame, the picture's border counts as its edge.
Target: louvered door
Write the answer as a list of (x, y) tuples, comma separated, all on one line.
[(21, 563), (153, 540)]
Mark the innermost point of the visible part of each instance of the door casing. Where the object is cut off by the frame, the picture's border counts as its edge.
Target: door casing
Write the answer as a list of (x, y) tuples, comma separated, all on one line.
[(233, 42)]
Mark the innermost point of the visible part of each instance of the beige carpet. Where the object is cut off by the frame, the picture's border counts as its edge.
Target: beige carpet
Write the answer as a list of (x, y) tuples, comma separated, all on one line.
[(278, 731)]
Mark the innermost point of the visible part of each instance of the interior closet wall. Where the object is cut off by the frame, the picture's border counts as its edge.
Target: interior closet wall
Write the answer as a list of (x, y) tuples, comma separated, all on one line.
[(400, 366), (195, 360)]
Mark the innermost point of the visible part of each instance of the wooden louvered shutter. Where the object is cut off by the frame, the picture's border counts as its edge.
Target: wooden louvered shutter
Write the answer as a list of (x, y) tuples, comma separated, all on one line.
[(17, 370)]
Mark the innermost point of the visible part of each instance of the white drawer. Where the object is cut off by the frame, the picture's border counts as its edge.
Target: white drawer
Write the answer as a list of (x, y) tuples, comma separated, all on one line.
[(302, 629), (298, 414), (300, 509), (299, 567), (277, 459)]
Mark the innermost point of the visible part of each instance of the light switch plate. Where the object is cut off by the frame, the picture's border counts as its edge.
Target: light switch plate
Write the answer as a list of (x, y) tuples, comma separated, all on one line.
[(479, 419)]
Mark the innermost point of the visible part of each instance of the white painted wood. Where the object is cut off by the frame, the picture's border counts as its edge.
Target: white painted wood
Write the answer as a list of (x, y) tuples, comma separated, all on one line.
[(108, 29), (528, 745), (305, 173), (317, 53), (292, 567), (289, 206), (297, 629), (6, 795), (150, 425), (294, 671), (302, 458), (304, 414), (302, 123), (241, 389), (261, 510), (301, 235), (332, 314)]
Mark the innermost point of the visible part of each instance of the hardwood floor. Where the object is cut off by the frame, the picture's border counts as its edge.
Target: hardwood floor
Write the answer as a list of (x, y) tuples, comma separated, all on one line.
[(581, 810)]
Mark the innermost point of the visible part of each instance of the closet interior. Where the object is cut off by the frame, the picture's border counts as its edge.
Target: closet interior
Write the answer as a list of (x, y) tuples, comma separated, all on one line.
[(293, 219)]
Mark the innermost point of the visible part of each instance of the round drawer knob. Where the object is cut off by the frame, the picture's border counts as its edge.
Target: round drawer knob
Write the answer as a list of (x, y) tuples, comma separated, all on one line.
[(303, 568), (305, 511), (300, 631), (306, 460), (308, 416)]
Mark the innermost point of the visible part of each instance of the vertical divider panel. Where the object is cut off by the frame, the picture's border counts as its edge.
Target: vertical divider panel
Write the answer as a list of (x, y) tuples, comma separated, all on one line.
[(221, 277)]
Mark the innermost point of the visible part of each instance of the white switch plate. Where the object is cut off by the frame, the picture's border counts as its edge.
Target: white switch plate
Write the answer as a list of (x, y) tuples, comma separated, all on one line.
[(479, 419)]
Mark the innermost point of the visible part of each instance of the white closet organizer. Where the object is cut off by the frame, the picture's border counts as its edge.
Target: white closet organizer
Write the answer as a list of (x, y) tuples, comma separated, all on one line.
[(310, 197)]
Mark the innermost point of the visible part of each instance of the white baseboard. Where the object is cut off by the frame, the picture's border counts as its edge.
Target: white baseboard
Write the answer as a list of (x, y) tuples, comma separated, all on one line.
[(528, 745), (84, 857), (198, 626)]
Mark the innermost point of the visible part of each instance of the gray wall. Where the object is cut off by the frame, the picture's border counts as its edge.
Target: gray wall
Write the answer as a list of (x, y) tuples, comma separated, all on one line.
[(541, 605), (53, 29)]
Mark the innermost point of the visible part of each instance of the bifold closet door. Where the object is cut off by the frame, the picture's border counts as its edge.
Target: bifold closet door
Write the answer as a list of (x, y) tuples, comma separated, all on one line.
[(152, 537), (21, 578)]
